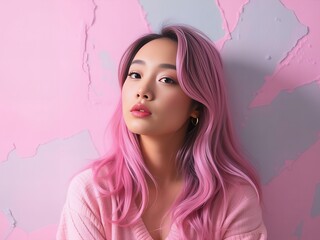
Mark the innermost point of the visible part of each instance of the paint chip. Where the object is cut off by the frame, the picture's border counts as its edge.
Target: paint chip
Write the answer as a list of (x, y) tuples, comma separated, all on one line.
[(277, 19), (11, 220), (299, 229), (268, 57), (315, 210)]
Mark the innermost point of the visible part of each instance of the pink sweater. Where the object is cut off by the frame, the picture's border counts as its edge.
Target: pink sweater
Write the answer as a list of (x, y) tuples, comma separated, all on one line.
[(84, 216)]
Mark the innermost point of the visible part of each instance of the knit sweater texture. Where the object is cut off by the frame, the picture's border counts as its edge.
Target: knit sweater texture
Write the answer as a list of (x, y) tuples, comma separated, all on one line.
[(85, 216)]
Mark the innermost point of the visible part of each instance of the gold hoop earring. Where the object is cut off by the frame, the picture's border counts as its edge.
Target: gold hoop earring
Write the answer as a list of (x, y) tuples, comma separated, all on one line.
[(195, 121)]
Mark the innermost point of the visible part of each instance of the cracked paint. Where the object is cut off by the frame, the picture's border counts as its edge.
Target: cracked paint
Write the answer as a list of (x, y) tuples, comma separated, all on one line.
[(230, 11), (11, 224), (315, 210), (205, 16), (298, 231), (301, 65), (59, 84), (281, 139), (280, 132), (47, 232), (245, 56), (86, 65), (289, 197), (45, 173), (47, 97)]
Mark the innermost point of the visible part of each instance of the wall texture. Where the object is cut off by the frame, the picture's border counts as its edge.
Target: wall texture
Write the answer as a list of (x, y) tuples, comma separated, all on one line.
[(58, 87)]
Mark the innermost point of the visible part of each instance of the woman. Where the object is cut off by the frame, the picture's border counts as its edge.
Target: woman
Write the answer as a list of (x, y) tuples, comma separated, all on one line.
[(175, 171)]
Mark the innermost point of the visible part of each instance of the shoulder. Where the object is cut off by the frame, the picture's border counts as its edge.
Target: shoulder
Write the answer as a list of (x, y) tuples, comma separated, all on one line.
[(85, 210), (81, 183), (243, 212), (81, 189), (241, 193), (83, 193)]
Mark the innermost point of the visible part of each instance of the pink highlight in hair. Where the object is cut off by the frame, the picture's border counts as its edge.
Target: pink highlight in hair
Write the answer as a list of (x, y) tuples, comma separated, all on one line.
[(210, 158)]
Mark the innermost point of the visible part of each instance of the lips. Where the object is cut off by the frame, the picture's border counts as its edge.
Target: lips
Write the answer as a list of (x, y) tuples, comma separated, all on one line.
[(140, 110)]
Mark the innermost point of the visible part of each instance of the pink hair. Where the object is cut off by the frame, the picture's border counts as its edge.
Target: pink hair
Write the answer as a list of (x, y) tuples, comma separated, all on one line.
[(209, 159)]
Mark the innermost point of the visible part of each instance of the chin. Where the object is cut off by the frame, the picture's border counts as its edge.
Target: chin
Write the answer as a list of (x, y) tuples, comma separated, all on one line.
[(138, 130)]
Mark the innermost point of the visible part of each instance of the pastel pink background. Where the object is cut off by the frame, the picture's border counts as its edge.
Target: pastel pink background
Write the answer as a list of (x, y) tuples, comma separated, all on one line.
[(58, 87)]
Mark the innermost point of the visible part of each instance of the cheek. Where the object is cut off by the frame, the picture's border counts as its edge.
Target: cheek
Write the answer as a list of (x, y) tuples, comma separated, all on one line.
[(126, 94), (179, 104), (126, 100)]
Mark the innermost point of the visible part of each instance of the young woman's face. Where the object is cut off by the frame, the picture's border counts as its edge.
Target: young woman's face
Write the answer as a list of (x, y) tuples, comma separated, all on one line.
[(152, 101)]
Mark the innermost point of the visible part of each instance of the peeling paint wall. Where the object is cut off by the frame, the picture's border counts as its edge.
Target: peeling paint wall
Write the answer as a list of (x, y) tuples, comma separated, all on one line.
[(58, 87)]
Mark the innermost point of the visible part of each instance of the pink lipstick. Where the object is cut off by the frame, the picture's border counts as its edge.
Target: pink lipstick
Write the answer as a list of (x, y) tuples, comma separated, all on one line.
[(140, 110)]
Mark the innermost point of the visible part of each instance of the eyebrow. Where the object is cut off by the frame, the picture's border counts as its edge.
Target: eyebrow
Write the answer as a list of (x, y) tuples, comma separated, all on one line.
[(162, 65)]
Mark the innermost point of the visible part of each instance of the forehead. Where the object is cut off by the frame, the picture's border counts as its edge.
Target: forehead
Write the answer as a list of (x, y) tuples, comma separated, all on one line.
[(159, 49)]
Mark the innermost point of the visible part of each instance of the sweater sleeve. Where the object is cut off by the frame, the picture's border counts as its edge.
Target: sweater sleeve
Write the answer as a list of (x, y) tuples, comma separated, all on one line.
[(244, 219), (80, 215)]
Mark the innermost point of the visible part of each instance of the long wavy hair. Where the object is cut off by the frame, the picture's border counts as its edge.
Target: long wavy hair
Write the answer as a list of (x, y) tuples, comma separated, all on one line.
[(209, 158)]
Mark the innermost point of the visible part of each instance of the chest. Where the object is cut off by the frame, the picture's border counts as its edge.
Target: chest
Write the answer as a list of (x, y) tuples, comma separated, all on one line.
[(157, 220), (157, 216)]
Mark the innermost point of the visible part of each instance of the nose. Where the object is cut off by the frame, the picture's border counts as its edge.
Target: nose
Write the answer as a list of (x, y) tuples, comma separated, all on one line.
[(145, 94)]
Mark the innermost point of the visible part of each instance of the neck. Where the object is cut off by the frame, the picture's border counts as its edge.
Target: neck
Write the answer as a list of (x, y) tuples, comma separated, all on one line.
[(159, 154)]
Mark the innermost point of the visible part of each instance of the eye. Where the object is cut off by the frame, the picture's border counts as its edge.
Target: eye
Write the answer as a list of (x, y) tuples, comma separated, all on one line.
[(167, 80), (134, 75)]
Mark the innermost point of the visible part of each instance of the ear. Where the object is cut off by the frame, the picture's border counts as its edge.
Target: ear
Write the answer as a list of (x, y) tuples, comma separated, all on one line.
[(195, 114), (195, 111)]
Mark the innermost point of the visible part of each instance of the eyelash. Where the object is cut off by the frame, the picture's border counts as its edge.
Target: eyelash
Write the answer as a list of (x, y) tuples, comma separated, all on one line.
[(166, 78), (135, 75)]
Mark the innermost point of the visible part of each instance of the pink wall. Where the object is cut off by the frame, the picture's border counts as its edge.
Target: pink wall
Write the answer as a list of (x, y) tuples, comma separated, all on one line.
[(58, 70)]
